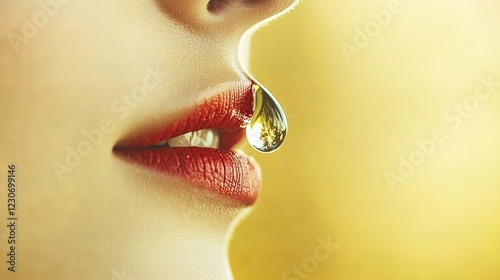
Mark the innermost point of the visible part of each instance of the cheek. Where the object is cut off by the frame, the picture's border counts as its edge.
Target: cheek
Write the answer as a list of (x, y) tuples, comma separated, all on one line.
[(68, 76)]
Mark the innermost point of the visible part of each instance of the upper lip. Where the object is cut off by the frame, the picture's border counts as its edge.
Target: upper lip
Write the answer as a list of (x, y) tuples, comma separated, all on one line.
[(228, 112)]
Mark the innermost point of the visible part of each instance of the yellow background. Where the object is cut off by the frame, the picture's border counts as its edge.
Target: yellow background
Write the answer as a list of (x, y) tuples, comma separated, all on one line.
[(348, 125)]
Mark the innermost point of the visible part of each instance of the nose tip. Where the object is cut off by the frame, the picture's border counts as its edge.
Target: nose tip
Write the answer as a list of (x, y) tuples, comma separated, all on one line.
[(223, 16), (252, 11), (243, 14)]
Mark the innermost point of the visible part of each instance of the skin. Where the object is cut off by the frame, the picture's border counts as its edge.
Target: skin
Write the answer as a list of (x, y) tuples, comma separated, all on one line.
[(100, 218)]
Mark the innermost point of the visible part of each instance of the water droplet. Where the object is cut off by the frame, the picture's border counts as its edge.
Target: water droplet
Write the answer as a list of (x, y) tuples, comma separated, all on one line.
[(267, 129)]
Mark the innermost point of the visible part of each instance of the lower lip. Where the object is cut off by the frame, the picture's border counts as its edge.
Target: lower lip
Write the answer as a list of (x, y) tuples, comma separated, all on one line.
[(225, 172)]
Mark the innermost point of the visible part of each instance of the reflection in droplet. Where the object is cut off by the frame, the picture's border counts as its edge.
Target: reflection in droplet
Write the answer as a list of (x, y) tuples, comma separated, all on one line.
[(267, 129)]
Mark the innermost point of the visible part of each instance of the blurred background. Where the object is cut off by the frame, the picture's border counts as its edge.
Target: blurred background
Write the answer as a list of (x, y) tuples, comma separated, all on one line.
[(391, 166)]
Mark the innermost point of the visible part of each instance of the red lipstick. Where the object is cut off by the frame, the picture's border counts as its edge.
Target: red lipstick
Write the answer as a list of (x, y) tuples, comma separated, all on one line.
[(224, 171)]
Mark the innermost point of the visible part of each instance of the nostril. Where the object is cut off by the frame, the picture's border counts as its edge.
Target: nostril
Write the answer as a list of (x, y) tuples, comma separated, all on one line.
[(217, 5)]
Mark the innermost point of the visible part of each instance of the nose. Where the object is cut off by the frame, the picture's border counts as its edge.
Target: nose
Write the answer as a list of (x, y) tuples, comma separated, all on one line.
[(223, 16)]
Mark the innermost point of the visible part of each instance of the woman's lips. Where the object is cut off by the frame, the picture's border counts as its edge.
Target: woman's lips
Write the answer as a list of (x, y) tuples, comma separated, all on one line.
[(221, 170)]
